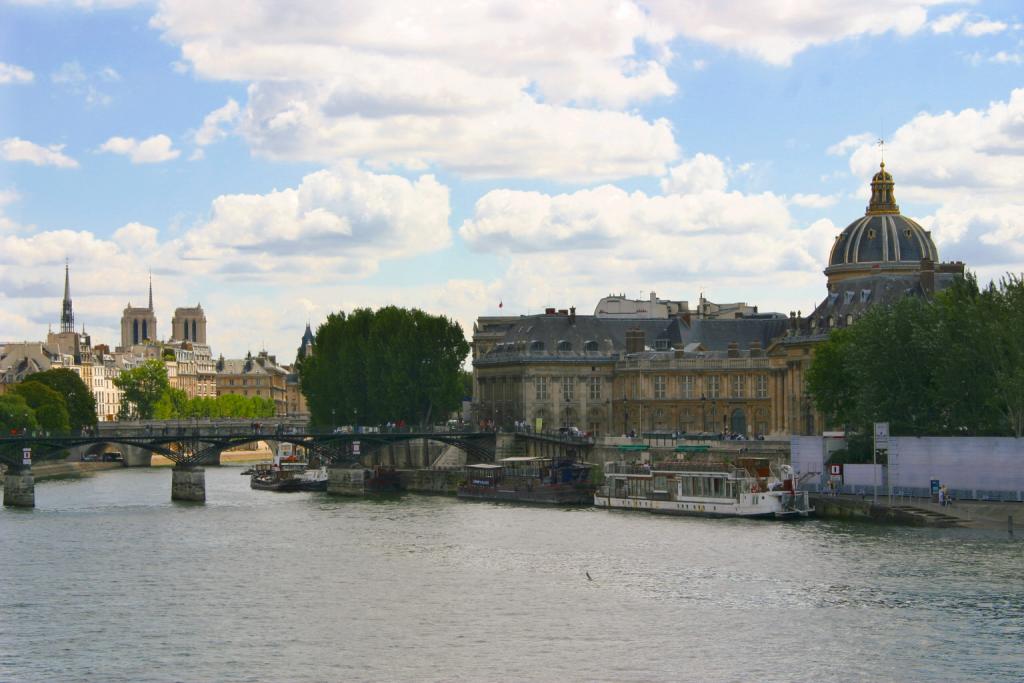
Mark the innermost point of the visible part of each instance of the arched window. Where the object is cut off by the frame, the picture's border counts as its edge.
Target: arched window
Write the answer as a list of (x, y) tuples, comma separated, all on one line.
[(145, 330), (590, 345), (193, 330), (564, 345), (536, 345), (135, 332)]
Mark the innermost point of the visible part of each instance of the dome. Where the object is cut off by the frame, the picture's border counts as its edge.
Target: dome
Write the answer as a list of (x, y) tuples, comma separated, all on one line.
[(882, 235)]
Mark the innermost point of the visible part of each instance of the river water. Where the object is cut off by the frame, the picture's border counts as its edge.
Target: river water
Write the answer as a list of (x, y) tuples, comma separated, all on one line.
[(107, 580)]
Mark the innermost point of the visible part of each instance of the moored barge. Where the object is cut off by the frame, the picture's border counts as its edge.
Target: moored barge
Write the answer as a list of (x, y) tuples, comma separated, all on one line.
[(748, 489), (552, 481)]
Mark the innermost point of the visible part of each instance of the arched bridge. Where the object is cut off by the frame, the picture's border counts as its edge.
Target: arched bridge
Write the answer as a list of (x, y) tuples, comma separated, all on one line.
[(202, 445), (192, 445)]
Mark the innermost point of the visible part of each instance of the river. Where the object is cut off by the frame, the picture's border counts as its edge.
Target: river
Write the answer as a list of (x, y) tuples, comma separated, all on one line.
[(107, 580)]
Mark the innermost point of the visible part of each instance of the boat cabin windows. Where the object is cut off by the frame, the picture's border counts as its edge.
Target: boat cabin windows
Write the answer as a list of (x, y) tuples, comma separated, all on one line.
[(639, 487), (660, 483)]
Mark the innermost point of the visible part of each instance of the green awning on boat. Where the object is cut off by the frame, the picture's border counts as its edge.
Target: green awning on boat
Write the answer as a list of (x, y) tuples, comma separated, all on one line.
[(693, 449), (633, 448)]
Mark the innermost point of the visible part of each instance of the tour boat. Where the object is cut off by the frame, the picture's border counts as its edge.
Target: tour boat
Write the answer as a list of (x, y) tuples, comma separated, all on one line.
[(287, 472), (557, 481), (288, 476), (747, 489)]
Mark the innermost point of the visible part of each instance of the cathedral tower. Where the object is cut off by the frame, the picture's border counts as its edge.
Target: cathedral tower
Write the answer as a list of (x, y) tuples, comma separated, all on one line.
[(138, 325)]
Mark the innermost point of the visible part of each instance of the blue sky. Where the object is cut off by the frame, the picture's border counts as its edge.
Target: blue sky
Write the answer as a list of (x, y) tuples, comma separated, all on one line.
[(277, 161)]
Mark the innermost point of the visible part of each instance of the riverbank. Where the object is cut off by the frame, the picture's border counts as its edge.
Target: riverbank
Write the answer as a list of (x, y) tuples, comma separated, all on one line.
[(64, 469), (921, 512)]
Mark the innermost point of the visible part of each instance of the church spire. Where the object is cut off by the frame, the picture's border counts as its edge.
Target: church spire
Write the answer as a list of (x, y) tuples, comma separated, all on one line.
[(151, 290), (67, 316)]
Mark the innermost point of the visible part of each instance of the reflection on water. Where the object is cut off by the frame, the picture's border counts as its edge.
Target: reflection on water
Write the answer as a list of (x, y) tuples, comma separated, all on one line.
[(109, 580)]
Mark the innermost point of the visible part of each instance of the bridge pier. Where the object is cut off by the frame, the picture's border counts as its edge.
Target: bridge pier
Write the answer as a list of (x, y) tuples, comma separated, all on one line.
[(20, 487), (188, 483)]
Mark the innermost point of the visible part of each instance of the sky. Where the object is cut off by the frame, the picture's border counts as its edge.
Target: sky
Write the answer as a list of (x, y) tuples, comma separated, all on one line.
[(277, 161)]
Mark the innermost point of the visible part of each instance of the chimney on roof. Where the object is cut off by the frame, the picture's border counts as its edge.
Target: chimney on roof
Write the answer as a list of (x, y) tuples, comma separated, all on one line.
[(549, 311), (927, 276), (734, 350), (755, 349), (634, 340), (572, 315)]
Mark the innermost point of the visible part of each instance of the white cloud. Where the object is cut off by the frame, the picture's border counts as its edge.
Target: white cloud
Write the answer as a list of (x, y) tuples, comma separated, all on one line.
[(970, 164), (814, 201), (480, 138), (984, 27), (1003, 57), (152, 150), (12, 73), (851, 142), (75, 79), (337, 223), (776, 32), (578, 239), (703, 172), (517, 89), (524, 89), (16, 149), (947, 23), (212, 129)]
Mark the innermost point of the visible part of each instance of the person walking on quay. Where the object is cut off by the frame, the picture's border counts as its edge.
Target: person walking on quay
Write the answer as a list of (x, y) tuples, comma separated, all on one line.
[(942, 496)]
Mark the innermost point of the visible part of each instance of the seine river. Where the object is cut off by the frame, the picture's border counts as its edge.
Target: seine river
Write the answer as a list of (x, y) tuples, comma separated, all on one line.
[(107, 580)]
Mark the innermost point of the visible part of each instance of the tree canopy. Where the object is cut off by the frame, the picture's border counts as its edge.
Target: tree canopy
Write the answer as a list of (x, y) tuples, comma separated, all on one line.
[(51, 412), (141, 388), (393, 364), (81, 403), (15, 414), (951, 366), (174, 404)]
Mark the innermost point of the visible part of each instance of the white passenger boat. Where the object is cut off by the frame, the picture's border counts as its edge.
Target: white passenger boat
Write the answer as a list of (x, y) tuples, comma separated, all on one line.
[(748, 489)]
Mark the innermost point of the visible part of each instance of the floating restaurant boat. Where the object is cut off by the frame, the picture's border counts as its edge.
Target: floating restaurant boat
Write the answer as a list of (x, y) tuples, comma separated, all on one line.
[(556, 481), (287, 472), (748, 489), (289, 476)]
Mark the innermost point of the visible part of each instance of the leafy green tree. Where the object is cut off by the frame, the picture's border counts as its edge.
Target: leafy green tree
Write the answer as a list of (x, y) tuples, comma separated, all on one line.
[(386, 365), (142, 388), (172, 404), (50, 410), (15, 414), (81, 403), (953, 365)]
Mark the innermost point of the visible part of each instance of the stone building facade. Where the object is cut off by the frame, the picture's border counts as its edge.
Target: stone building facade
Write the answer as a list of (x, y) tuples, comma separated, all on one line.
[(258, 375), (720, 368)]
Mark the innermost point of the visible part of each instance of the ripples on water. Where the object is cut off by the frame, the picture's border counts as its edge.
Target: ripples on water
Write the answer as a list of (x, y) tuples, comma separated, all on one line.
[(108, 580)]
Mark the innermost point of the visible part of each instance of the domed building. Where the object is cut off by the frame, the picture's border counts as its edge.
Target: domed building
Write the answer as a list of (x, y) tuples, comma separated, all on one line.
[(879, 258)]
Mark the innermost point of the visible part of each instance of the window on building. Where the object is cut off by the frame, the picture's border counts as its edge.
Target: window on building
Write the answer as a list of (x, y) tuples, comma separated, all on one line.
[(542, 388), (590, 346), (737, 386), (595, 388), (567, 389), (713, 386), (687, 384), (659, 386), (564, 345), (761, 386)]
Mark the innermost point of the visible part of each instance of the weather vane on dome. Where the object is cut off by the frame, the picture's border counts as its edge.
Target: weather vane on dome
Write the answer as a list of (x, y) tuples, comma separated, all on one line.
[(881, 149)]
